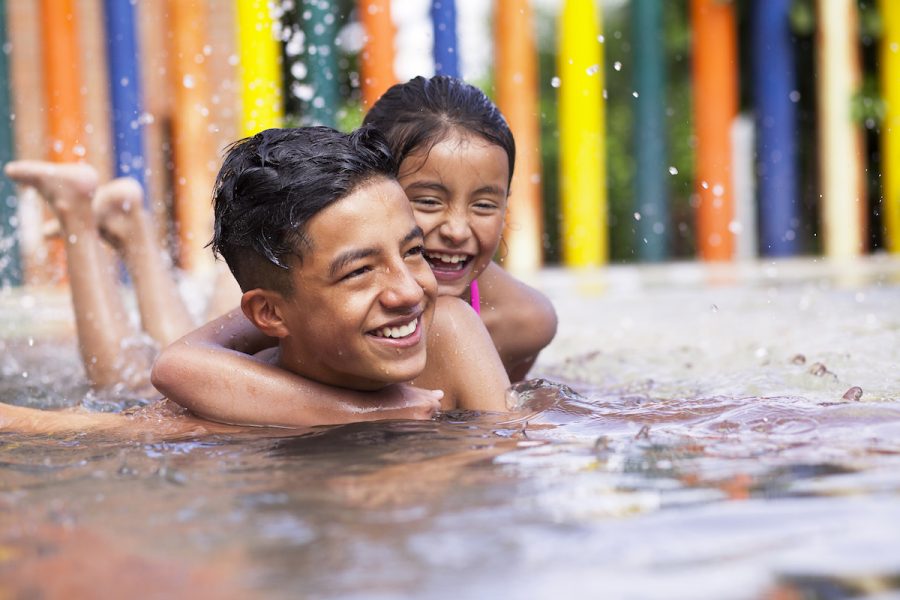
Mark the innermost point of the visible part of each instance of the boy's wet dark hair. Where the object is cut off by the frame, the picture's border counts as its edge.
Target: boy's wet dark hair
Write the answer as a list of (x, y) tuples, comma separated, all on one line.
[(419, 113), (270, 185)]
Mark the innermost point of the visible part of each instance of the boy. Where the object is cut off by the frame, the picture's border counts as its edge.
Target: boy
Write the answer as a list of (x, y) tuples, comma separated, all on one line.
[(322, 240)]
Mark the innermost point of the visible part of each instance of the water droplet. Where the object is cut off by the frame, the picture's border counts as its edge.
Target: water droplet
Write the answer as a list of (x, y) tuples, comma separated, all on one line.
[(555, 82), (673, 171), (617, 66)]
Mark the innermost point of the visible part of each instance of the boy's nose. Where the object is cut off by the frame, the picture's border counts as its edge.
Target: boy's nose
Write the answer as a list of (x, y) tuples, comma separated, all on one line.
[(402, 290)]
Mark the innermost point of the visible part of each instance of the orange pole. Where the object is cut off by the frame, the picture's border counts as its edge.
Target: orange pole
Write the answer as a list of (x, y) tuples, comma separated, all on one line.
[(715, 107), (377, 68), (518, 99), (192, 144), (65, 106), (62, 68)]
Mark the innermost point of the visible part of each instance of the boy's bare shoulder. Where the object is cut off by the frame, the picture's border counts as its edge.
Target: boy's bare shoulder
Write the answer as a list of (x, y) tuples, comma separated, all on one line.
[(454, 323)]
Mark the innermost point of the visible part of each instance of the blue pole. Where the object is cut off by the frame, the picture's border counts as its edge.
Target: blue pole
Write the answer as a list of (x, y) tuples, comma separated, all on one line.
[(775, 88), (10, 260), (443, 19), (125, 89)]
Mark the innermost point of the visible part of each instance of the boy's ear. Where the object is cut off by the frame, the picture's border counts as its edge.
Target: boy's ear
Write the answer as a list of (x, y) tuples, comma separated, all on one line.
[(263, 309)]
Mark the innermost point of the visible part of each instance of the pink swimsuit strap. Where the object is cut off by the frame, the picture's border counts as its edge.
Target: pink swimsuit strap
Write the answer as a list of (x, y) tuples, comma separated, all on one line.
[(475, 297)]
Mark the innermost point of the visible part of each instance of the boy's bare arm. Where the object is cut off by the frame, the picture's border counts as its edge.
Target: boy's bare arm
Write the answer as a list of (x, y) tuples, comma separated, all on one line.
[(462, 360), (231, 386), (520, 319)]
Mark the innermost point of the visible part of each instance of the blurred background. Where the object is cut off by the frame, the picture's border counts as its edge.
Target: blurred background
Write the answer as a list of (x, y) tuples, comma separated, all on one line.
[(659, 130)]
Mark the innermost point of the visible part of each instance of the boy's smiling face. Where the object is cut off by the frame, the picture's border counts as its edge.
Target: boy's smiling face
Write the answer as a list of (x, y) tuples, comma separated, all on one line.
[(363, 293)]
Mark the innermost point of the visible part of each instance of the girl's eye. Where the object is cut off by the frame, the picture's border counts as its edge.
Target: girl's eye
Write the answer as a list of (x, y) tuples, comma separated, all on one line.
[(426, 202)]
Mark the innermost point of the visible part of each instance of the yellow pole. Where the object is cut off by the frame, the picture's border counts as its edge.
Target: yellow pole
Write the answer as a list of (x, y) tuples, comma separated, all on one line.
[(581, 136), (840, 150), (890, 131), (260, 68)]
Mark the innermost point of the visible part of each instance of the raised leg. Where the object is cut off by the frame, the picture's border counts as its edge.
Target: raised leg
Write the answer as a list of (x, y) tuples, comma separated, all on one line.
[(100, 317), (128, 227)]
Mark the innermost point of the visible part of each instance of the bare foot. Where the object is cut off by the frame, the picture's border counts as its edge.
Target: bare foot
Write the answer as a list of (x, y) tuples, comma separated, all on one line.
[(65, 186), (118, 207)]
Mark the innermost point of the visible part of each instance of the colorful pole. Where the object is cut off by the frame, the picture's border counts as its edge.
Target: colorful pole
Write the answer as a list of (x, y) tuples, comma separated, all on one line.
[(443, 20), (260, 69), (125, 89), (320, 29), (516, 77), (62, 68), (890, 130), (10, 261), (377, 68), (191, 140), (715, 107), (841, 145), (774, 82), (65, 106), (651, 189), (581, 136)]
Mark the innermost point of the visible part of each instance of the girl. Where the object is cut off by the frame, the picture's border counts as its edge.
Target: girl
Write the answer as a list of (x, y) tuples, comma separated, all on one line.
[(456, 156)]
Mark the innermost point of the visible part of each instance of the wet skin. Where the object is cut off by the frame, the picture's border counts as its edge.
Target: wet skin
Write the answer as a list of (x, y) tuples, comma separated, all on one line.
[(363, 297), (458, 190)]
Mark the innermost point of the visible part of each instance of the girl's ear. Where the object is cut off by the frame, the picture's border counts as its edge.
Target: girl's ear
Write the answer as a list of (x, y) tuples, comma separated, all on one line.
[(263, 309)]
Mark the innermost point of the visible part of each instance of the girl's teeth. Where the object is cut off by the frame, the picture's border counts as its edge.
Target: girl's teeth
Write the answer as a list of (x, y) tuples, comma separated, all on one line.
[(448, 258)]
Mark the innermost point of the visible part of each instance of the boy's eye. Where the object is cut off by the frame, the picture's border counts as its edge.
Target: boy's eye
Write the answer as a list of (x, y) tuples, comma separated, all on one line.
[(418, 250), (356, 273)]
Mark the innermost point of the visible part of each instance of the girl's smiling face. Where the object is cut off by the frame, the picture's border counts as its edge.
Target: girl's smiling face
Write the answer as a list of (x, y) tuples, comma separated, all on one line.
[(458, 190)]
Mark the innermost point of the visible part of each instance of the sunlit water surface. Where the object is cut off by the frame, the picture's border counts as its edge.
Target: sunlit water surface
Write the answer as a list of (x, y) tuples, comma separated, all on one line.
[(702, 439)]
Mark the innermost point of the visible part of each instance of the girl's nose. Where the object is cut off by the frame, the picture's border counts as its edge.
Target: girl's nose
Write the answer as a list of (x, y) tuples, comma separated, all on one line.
[(455, 229)]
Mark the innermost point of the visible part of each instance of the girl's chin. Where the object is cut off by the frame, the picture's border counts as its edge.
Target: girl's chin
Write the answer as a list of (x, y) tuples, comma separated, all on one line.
[(453, 289)]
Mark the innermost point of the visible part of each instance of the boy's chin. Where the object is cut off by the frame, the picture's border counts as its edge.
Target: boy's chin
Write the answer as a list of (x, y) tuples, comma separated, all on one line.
[(402, 373)]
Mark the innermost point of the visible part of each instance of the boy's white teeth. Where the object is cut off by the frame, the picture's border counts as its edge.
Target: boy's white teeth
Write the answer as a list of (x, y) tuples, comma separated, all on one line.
[(398, 332), (447, 258)]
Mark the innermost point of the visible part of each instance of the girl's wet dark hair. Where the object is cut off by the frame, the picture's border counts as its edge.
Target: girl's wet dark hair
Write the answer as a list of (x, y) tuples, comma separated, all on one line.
[(270, 185), (418, 114)]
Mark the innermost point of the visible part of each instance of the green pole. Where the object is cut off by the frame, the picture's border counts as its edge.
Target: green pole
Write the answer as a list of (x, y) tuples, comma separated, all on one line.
[(651, 177), (10, 261), (318, 20)]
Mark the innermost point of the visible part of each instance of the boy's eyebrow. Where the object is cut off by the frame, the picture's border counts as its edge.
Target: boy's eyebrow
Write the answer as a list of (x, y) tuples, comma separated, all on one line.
[(343, 259)]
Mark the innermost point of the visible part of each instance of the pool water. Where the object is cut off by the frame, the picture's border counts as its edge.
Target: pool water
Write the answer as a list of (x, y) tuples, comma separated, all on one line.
[(696, 432)]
